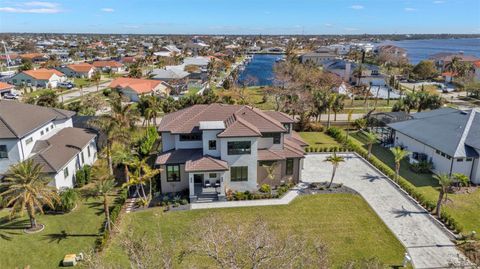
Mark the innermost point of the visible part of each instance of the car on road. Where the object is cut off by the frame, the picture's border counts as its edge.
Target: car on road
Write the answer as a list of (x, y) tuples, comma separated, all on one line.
[(10, 96), (66, 85)]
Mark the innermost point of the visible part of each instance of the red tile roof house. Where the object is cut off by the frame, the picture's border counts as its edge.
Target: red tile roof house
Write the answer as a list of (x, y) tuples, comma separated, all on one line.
[(81, 70), (133, 88), (105, 66), (43, 78), (5, 88), (209, 149)]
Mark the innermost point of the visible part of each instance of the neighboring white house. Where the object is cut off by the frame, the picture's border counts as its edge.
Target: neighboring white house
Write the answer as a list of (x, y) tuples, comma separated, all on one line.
[(113, 66), (211, 149), (81, 70), (46, 136), (43, 78), (133, 88), (168, 51), (447, 137)]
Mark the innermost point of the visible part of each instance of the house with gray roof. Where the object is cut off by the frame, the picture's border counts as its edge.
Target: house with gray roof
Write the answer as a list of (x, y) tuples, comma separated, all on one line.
[(447, 137), (211, 149), (46, 136)]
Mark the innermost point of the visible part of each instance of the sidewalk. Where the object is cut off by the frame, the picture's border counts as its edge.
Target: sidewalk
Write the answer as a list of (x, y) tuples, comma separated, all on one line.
[(285, 200)]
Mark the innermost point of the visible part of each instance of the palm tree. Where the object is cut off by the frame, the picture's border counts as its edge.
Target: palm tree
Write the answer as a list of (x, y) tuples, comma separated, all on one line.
[(122, 155), (142, 173), (371, 138), (398, 155), (27, 189), (349, 119), (331, 99), (445, 182), (335, 161), (96, 77), (104, 188), (153, 110)]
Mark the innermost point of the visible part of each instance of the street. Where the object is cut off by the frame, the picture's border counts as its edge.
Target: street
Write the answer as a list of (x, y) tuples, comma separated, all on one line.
[(86, 90)]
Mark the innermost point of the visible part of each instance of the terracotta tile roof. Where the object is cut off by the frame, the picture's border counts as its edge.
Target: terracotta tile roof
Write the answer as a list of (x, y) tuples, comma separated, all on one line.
[(297, 139), (31, 56), (240, 127), (477, 64), (288, 151), (205, 163), (179, 156), (81, 68), (136, 84), (101, 64), (239, 120), (449, 74), (280, 116), (270, 155), (43, 73), (5, 86)]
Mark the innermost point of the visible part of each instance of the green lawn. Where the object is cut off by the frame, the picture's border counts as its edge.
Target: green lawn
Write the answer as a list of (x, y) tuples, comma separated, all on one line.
[(465, 208), (63, 234), (344, 222), (318, 139), (84, 82)]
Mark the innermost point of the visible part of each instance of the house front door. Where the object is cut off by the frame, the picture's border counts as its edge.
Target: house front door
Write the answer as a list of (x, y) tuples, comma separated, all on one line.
[(198, 178)]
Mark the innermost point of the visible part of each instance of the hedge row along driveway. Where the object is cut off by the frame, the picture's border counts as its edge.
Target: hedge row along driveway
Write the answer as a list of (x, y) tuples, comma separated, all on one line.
[(428, 244)]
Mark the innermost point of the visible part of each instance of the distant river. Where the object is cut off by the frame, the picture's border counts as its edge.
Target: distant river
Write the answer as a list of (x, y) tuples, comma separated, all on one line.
[(260, 68), (422, 49)]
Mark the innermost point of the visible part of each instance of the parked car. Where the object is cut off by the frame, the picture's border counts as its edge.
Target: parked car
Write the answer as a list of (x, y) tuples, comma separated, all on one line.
[(11, 96), (66, 85)]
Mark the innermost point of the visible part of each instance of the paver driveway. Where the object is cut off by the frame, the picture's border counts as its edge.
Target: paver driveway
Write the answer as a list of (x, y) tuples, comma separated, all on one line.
[(428, 245)]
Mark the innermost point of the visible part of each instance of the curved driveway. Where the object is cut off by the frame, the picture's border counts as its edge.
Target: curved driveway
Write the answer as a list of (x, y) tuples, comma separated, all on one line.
[(428, 244)]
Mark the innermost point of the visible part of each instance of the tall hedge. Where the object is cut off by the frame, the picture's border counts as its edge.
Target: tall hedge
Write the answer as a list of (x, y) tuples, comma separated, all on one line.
[(340, 136)]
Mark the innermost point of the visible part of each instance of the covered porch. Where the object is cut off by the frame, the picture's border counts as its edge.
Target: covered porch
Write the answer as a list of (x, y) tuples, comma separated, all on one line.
[(206, 179)]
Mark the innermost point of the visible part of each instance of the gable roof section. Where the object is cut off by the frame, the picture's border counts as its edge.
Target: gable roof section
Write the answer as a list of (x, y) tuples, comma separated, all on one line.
[(43, 73), (101, 64), (280, 116), (205, 163), (57, 151), (19, 119), (5, 86), (239, 120), (136, 84), (81, 67), (448, 130)]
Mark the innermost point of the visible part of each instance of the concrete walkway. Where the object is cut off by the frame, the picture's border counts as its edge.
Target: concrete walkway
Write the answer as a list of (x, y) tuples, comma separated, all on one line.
[(428, 244), (285, 200)]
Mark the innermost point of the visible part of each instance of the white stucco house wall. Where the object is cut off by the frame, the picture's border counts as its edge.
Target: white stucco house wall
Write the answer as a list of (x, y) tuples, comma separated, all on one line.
[(224, 147), (48, 138), (447, 137)]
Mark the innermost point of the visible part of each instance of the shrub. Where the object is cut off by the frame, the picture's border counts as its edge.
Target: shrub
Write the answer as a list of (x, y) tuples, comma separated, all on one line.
[(68, 200), (265, 188), (88, 173), (80, 178), (422, 167), (314, 127)]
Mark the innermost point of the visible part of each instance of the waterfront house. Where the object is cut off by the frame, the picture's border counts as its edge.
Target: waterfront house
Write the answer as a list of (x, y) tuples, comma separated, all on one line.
[(133, 88), (442, 60), (317, 58), (43, 78), (46, 136), (227, 147), (447, 137), (81, 70)]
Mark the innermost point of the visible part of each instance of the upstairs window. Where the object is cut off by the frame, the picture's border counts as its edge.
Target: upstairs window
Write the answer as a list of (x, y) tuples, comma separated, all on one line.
[(190, 137), (65, 172), (276, 137), (212, 144), (3, 152), (239, 147), (29, 140)]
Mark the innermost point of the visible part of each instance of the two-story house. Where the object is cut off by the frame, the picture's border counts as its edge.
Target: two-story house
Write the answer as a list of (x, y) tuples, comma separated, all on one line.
[(45, 135), (227, 147)]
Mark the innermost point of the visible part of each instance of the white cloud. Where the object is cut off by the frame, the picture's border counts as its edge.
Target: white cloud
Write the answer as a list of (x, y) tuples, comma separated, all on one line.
[(35, 7), (410, 9), (107, 9), (438, 2), (328, 25), (357, 7)]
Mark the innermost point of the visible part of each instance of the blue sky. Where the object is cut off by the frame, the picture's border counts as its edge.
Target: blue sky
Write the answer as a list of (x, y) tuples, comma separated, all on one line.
[(241, 16)]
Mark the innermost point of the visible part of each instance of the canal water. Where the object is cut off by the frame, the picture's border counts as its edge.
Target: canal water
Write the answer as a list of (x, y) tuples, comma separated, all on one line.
[(261, 69)]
